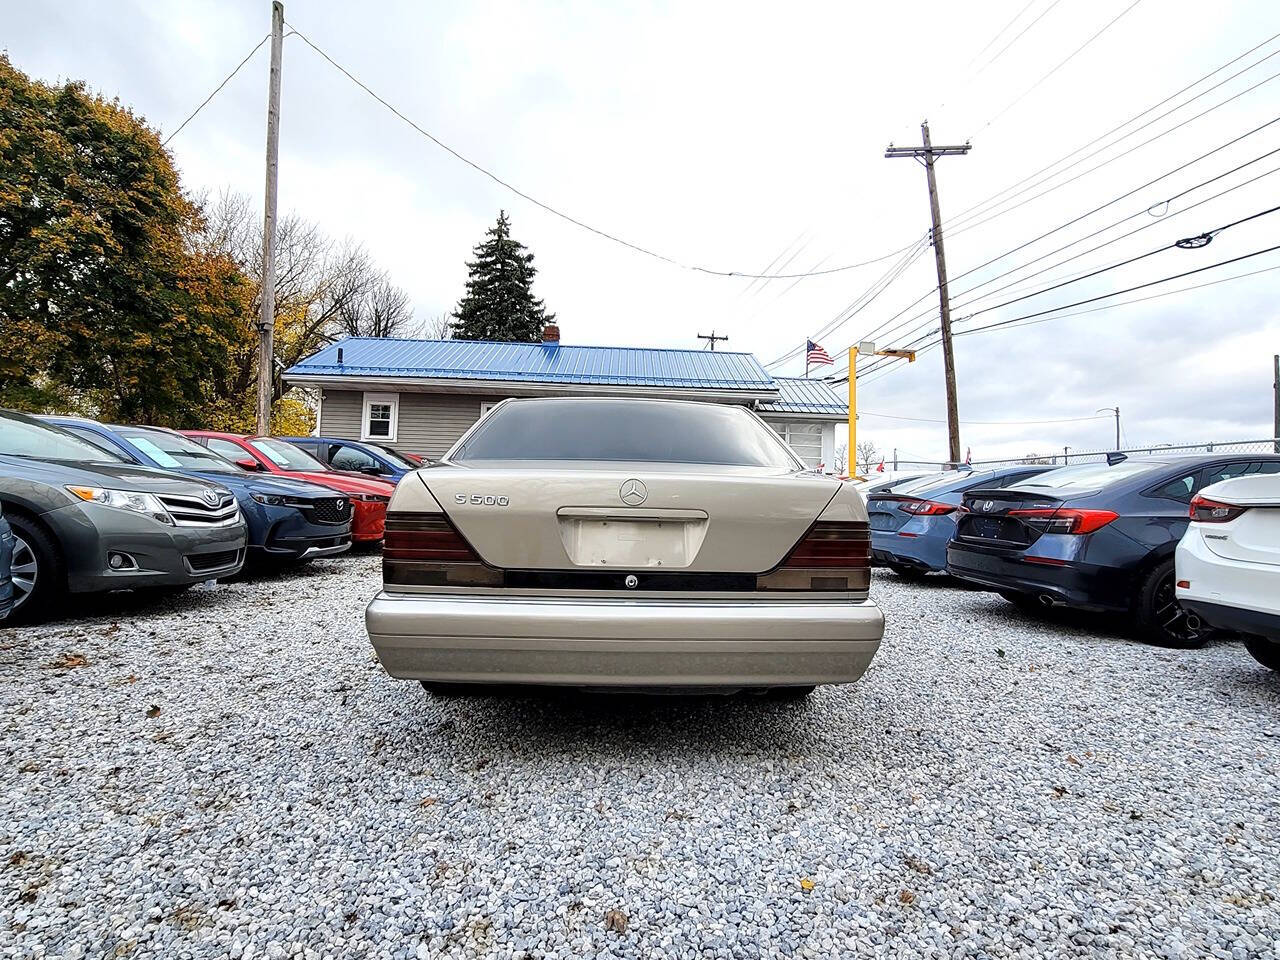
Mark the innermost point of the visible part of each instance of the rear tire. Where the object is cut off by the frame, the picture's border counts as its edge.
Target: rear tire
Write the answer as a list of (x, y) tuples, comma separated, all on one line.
[(1158, 617), (1266, 652), (39, 578)]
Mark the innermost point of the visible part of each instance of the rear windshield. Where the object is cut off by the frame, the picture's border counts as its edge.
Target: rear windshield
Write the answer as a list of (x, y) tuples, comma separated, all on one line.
[(1091, 475), (636, 430)]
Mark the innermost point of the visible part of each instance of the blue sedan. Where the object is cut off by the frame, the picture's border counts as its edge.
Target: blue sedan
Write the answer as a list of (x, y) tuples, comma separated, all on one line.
[(357, 456), (1097, 536), (287, 519), (911, 527)]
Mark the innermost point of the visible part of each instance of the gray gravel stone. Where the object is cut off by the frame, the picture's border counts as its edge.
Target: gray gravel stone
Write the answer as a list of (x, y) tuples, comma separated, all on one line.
[(232, 774)]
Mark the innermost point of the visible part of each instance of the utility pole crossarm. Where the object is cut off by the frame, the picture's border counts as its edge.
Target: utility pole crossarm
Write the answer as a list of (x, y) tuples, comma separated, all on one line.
[(953, 151)]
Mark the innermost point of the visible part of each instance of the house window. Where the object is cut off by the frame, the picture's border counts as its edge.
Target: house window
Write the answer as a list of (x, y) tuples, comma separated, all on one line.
[(803, 438), (381, 415), (486, 406)]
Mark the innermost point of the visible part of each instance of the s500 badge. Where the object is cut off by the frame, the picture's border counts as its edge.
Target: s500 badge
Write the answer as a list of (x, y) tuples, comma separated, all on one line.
[(480, 501)]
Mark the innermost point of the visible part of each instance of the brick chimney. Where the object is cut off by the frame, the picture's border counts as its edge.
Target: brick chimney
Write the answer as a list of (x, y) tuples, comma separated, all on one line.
[(551, 333)]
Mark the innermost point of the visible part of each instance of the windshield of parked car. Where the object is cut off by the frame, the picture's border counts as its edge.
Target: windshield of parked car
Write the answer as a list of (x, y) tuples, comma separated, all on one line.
[(22, 436), (645, 431), (1092, 475), (395, 458), (176, 452), (286, 455)]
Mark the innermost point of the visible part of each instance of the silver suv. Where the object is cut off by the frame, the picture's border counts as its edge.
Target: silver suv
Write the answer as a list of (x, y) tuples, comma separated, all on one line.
[(84, 520)]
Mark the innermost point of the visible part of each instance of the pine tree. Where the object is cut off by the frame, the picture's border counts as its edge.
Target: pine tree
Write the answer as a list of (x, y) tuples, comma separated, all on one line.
[(499, 303)]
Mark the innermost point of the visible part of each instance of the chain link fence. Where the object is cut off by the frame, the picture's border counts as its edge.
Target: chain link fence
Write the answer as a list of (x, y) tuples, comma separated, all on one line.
[(1070, 455)]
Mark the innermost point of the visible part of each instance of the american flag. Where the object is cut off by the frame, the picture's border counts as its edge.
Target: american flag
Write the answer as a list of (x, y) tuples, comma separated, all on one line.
[(814, 354)]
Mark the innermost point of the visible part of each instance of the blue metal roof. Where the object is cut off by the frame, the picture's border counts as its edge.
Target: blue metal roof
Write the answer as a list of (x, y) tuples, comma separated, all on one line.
[(537, 363), (798, 395)]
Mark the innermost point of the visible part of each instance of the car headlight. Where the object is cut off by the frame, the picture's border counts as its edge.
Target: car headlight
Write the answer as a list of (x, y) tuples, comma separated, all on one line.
[(144, 503), (280, 500), (371, 497)]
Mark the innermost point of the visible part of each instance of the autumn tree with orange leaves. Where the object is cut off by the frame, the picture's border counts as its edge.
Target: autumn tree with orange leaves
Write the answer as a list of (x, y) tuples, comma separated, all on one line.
[(104, 305)]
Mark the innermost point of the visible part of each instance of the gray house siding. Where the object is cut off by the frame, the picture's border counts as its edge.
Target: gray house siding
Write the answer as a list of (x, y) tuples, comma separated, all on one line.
[(428, 424)]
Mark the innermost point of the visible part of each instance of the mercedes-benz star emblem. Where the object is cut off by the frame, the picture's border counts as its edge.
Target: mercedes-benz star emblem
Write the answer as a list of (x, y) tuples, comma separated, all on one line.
[(633, 493)]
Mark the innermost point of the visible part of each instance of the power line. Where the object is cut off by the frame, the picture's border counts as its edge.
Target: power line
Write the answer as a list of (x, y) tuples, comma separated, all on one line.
[(1000, 33), (1062, 64), (1002, 50), (565, 216), (1140, 286), (973, 224), (864, 299), (1121, 126), (1153, 296), (1077, 219), (216, 90)]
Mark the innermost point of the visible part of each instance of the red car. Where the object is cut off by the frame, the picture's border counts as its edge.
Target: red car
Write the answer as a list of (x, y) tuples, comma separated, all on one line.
[(369, 496)]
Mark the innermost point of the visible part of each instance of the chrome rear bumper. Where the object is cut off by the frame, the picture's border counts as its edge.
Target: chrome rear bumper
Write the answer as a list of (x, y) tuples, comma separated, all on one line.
[(584, 641)]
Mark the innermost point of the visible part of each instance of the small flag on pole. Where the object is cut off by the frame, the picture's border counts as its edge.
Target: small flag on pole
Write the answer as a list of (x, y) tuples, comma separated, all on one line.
[(815, 355), (880, 469)]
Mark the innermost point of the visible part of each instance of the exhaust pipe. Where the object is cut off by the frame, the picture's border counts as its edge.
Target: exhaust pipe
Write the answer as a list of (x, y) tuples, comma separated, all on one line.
[(1047, 600), (1194, 622)]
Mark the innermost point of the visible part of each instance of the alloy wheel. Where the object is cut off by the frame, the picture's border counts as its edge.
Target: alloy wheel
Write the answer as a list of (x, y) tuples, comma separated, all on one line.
[(1170, 617), (24, 571)]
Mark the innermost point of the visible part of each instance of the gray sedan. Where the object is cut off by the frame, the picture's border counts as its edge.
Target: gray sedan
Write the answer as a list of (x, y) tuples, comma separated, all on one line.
[(84, 520)]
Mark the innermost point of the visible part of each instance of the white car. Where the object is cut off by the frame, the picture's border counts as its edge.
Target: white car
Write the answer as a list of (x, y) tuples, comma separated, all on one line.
[(1228, 562)]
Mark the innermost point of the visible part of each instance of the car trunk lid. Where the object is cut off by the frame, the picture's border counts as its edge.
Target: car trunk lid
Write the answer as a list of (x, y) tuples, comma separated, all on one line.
[(1253, 536), (729, 520), (989, 517)]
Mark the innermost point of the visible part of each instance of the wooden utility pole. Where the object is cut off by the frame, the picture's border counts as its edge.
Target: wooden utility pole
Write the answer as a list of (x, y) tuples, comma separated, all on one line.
[(711, 338), (267, 320), (927, 154)]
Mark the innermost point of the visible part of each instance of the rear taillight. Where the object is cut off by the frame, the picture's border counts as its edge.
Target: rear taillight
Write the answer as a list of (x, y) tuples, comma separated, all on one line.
[(831, 556), (1204, 510), (1064, 519), (927, 508), (829, 544), (426, 538), (426, 550)]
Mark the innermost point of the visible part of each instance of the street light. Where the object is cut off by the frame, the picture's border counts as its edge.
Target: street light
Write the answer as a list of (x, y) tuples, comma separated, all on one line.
[(1116, 411), (866, 348)]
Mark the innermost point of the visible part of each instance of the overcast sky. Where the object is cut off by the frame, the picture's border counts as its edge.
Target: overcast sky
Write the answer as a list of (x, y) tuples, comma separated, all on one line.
[(730, 135)]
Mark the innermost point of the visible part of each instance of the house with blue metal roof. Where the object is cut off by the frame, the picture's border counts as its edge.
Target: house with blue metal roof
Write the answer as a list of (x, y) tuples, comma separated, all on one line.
[(421, 395)]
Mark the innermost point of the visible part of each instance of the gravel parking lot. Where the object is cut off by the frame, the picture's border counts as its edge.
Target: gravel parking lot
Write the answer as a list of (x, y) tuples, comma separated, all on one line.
[(230, 773)]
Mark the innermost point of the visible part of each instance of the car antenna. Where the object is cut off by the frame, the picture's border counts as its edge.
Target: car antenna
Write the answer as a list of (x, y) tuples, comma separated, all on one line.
[(1116, 457)]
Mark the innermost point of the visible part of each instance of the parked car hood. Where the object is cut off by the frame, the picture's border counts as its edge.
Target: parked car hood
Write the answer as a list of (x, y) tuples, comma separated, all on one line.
[(248, 483), (346, 482), (118, 476)]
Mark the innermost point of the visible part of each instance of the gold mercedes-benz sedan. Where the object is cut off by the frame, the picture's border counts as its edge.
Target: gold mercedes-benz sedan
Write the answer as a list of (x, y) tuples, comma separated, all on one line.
[(625, 543)]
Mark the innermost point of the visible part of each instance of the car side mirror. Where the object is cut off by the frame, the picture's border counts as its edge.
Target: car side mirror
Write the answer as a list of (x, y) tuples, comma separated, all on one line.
[(248, 463)]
